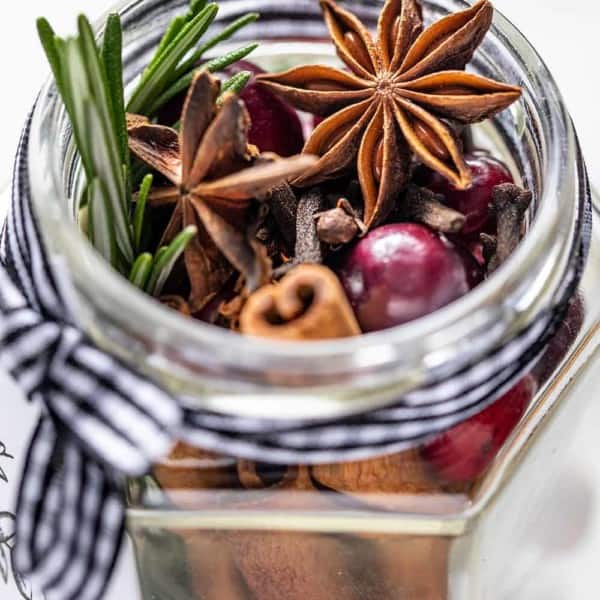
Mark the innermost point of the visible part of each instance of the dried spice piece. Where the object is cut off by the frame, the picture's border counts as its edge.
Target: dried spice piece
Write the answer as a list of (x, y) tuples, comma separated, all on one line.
[(231, 310), (339, 225), (489, 243), (177, 303), (290, 565), (394, 101), (211, 166), (308, 246), (424, 206), (284, 207), (188, 469), (308, 304), (509, 205), (399, 481)]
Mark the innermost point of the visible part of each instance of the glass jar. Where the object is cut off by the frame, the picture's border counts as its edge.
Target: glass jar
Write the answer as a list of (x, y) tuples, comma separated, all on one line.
[(399, 526)]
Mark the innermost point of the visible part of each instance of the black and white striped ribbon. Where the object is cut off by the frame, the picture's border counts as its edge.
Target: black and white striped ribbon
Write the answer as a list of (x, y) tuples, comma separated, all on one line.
[(101, 421)]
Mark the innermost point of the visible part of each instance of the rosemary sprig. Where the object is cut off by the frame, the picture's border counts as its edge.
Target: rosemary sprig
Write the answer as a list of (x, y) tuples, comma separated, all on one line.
[(83, 83), (192, 61), (140, 210), (237, 83), (182, 84), (165, 260), (112, 50), (172, 67), (100, 230), (157, 77), (141, 270)]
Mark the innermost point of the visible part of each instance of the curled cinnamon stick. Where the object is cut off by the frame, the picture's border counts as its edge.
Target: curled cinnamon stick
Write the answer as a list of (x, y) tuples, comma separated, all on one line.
[(308, 304), (282, 564)]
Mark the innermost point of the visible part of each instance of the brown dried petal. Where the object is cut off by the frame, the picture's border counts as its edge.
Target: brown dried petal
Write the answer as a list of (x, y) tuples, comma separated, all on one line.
[(248, 256), (352, 39), (207, 269), (337, 158), (465, 97), (165, 196), (400, 24), (256, 181), (198, 112), (158, 147), (428, 139), (308, 304), (175, 224), (224, 140), (380, 191), (449, 43), (316, 88)]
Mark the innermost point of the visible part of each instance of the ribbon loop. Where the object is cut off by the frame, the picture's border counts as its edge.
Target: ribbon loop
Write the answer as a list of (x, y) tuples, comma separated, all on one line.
[(69, 507)]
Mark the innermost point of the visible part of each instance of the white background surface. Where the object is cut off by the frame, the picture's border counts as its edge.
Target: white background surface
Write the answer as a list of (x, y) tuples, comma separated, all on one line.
[(567, 35)]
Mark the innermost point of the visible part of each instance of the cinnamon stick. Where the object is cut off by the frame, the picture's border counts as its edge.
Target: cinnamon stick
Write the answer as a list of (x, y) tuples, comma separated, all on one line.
[(308, 304), (188, 469), (190, 477), (290, 565), (400, 566)]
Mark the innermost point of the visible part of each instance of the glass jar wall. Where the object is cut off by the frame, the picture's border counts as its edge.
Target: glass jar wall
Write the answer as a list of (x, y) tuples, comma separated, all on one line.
[(436, 521)]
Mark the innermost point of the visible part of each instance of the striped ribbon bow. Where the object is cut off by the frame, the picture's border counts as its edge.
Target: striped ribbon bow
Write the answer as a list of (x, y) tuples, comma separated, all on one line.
[(101, 421)]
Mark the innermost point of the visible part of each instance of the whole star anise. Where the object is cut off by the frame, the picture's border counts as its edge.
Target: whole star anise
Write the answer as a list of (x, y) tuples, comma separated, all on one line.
[(395, 99), (215, 178)]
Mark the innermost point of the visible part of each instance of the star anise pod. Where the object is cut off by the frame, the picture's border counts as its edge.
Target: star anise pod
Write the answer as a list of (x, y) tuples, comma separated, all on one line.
[(395, 100), (211, 166)]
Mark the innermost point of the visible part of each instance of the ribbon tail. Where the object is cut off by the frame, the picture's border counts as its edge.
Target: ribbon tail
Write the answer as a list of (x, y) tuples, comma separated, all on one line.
[(70, 518)]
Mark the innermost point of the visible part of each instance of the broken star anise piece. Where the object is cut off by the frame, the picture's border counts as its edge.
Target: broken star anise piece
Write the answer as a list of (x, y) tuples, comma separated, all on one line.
[(214, 181), (395, 100)]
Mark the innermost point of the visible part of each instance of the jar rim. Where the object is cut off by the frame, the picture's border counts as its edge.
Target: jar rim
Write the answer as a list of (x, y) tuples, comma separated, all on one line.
[(516, 293)]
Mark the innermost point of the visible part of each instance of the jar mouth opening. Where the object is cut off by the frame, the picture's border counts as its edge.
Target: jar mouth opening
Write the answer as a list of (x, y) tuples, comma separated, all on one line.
[(519, 290)]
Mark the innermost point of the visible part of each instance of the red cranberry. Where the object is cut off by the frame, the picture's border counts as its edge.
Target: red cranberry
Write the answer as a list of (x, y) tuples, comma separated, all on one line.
[(403, 271), (464, 452), (276, 126), (487, 173)]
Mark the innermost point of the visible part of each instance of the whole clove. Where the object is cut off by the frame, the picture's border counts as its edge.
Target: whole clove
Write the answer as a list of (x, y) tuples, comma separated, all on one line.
[(339, 225), (509, 205), (426, 207), (489, 244)]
